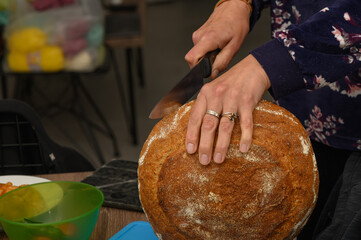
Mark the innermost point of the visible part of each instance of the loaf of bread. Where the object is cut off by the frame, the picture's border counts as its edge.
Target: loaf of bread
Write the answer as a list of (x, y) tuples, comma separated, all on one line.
[(267, 193)]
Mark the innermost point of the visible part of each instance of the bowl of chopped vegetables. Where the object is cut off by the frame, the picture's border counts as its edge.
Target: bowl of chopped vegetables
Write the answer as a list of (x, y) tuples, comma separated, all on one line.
[(51, 211)]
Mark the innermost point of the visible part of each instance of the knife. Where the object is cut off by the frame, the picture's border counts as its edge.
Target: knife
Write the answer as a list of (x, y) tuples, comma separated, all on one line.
[(186, 87)]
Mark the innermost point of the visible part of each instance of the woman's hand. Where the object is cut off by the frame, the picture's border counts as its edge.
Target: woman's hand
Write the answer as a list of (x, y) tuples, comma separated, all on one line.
[(236, 91), (225, 29)]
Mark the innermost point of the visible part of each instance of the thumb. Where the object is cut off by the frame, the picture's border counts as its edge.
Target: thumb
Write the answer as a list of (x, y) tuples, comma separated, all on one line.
[(222, 60)]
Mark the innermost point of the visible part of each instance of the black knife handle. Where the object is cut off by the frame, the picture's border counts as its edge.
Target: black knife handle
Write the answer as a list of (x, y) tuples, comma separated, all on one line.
[(208, 62)]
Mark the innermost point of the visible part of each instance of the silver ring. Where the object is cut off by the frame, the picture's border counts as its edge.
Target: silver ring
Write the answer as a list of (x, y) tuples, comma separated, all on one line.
[(230, 115), (213, 113)]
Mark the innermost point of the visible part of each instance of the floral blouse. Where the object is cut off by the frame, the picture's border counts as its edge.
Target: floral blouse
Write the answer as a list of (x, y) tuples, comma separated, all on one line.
[(314, 65)]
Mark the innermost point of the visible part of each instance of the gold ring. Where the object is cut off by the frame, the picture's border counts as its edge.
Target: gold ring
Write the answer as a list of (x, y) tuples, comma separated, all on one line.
[(230, 115), (213, 113)]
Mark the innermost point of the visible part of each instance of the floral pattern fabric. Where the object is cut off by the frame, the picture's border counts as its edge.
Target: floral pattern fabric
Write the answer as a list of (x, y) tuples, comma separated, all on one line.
[(321, 127), (321, 42)]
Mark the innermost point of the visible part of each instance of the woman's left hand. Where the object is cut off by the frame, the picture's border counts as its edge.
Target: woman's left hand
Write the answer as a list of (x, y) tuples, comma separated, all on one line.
[(237, 91)]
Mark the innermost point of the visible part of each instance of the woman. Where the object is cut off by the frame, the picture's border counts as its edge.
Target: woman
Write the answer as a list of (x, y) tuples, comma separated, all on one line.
[(312, 67)]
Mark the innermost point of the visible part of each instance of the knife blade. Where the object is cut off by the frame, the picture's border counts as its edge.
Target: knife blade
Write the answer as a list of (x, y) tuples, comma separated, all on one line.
[(185, 88)]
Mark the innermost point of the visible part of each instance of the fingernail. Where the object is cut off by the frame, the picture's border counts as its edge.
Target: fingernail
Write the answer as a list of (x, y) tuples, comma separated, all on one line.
[(243, 148), (218, 158), (190, 147), (215, 73), (204, 159)]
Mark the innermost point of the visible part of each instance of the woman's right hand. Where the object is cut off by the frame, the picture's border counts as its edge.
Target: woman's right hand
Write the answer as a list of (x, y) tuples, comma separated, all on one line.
[(225, 29)]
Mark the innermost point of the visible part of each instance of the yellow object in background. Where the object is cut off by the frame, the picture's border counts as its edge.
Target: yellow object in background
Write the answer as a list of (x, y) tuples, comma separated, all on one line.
[(47, 59), (18, 62), (27, 40), (52, 58)]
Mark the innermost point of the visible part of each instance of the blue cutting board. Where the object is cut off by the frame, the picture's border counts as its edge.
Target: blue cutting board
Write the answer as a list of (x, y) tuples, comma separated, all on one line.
[(135, 231)]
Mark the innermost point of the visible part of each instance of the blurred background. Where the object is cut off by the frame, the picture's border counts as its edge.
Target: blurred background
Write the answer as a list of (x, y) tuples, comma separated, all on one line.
[(155, 62)]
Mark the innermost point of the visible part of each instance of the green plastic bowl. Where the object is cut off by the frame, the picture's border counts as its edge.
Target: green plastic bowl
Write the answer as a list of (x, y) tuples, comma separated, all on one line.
[(60, 210)]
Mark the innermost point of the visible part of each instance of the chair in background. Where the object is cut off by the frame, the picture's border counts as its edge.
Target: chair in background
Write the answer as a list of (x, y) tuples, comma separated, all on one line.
[(125, 25), (25, 147), (25, 89)]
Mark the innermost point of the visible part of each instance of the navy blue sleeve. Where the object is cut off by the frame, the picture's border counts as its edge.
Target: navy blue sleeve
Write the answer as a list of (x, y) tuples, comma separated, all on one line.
[(316, 53), (280, 68)]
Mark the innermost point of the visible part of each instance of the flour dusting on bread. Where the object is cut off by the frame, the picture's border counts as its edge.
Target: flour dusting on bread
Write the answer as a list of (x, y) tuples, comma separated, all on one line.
[(306, 145), (265, 194), (279, 112), (164, 132)]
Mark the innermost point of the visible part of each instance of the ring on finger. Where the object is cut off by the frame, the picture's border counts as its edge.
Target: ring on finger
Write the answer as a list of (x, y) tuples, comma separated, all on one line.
[(230, 115), (213, 113)]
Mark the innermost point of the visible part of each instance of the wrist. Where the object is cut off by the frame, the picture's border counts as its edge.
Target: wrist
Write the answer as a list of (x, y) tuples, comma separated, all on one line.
[(247, 3), (237, 10), (259, 71)]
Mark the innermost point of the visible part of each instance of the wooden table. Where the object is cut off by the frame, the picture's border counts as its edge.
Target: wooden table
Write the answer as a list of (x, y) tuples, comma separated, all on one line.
[(110, 221)]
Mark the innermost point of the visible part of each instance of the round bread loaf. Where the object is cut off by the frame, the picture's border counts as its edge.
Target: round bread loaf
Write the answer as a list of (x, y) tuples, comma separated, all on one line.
[(267, 193)]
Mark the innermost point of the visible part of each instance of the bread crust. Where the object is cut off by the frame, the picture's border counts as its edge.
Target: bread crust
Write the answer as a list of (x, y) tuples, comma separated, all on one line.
[(268, 193)]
